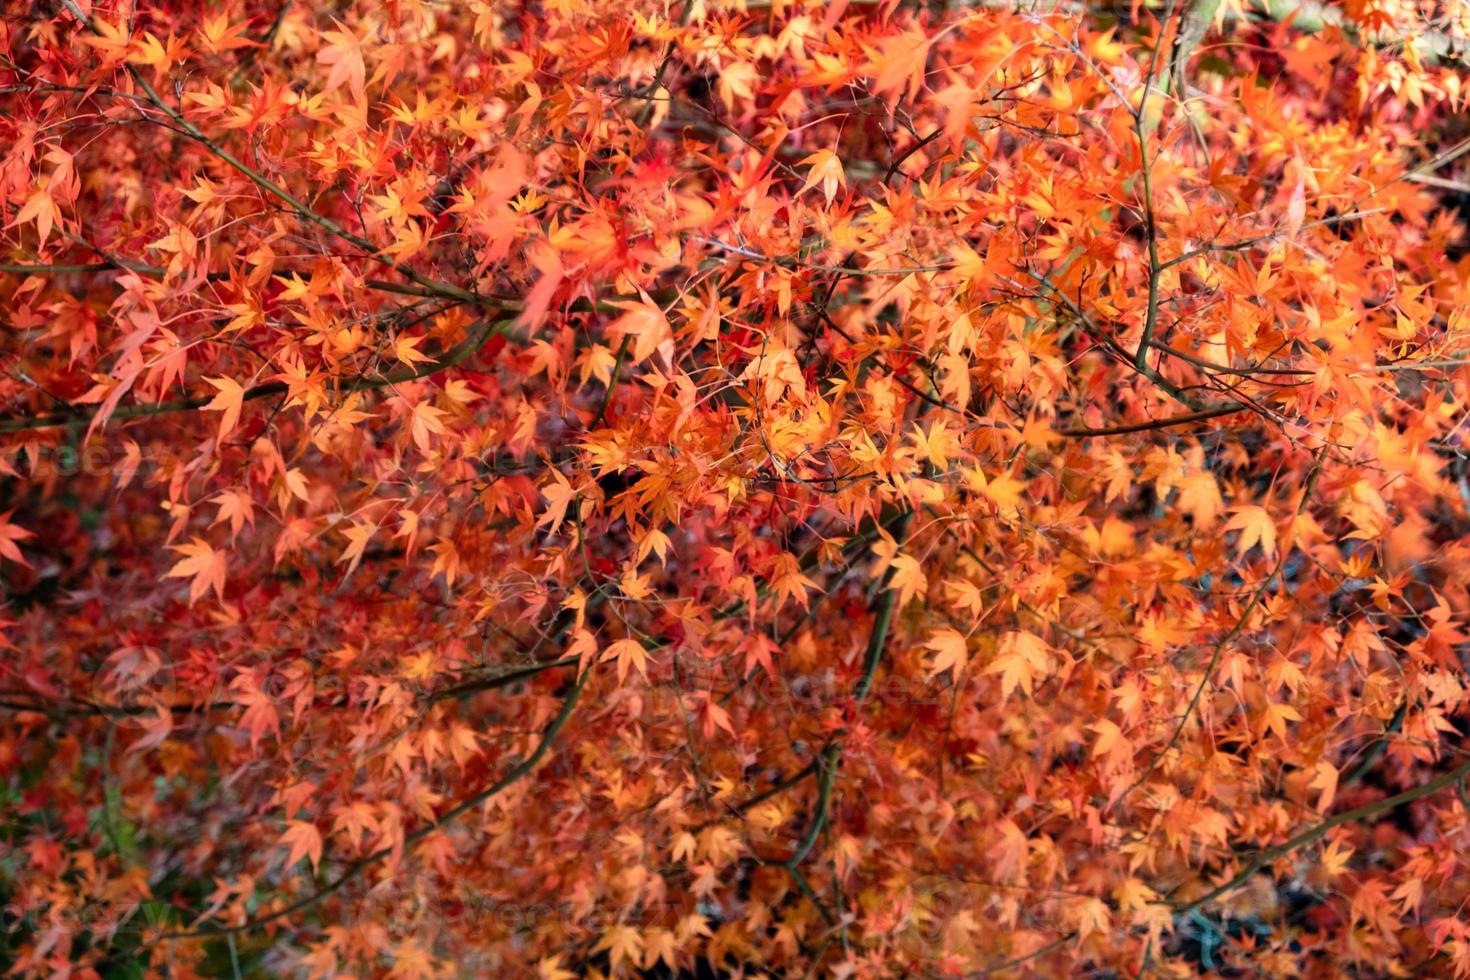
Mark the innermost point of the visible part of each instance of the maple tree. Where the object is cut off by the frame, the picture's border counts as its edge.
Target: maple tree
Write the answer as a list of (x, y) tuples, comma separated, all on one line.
[(734, 487)]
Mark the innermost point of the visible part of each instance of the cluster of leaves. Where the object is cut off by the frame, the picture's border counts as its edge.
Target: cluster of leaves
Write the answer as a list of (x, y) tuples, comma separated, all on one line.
[(730, 487)]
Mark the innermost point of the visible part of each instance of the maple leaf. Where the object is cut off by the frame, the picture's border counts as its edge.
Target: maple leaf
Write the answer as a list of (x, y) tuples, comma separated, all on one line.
[(949, 646), (627, 652), (1005, 492), (1255, 526), (826, 169), (202, 563), (427, 421), (623, 944), (898, 65), (228, 401), (1276, 716), (1010, 852), (1093, 916), (1133, 895), (711, 715), (583, 647), (412, 959), (260, 714), (550, 969), (219, 34), (1020, 659), (41, 209), (935, 445), (644, 324), (1199, 496), (343, 51), (788, 582), (237, 507), (735, 82), (907, 578), (148, 50), (358, 536), (9, 535), (405, 351), (559, 494), (112, 40), (1335, 858), (304, 840), (1109, 737), (661, 946), (354, 820)]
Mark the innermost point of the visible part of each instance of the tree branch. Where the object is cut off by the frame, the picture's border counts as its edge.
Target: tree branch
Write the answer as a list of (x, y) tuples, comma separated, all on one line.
[(356, 869), (1214, 412), (68, 420), (830, 760), (1314, 833), (1224, 641)]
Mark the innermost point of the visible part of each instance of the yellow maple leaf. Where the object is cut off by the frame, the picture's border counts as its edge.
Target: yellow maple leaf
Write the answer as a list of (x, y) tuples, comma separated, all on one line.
[(627, 652), (1335, 857), (948, 645), (1133, 895), (1276, 716), (826, 169), (550, 969), (1022, 657), (1199, 497), (1255, 527), (623, 943), (1005, 493), (908, 578), (426, 421)]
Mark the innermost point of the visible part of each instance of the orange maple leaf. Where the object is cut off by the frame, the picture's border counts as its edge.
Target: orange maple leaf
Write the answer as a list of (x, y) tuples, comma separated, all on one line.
[(230, 397), (304, 840), (949, 646), (205, 564)]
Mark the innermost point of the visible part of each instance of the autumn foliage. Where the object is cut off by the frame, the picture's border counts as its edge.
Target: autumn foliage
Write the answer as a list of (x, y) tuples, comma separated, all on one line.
[(734, 488)]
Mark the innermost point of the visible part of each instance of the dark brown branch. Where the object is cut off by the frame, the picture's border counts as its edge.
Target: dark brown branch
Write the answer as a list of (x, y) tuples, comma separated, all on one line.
[(899, 160), (1117, 430), (56, 420), (830, 761), (504, 679), (1314, 833)]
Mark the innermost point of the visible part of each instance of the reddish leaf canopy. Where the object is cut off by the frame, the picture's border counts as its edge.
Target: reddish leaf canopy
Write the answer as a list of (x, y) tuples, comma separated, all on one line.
[(578, 488)]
